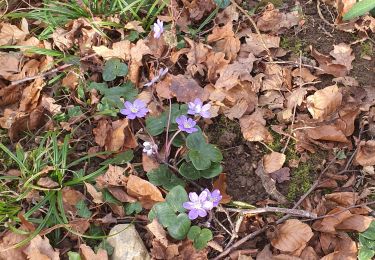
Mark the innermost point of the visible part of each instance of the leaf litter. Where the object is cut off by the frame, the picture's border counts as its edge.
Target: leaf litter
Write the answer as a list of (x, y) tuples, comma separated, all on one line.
[(229, 67)]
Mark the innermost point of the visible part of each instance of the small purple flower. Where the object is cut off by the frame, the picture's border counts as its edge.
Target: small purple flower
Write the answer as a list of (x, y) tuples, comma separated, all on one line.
[(161, 74), (214, 196), (186, 124), (197, 108), (137, 109), (198, 205), (158, 29)]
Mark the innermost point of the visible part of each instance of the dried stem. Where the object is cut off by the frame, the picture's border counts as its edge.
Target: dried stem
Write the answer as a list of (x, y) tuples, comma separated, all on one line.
[(293, 212)]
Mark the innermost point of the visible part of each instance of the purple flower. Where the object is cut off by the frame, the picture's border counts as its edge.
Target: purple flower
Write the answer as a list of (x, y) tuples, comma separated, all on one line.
[(186, 124), (158, 29), (137, 109), (198, 205), (161, 74), (197, 108), (214, 196)]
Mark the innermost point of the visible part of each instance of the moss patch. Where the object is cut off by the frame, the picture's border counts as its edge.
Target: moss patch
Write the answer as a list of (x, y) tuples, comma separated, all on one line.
[(367, 49), (294, 45)]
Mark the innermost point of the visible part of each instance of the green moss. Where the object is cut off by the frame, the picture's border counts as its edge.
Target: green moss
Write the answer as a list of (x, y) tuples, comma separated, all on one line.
[(294, 45), (221, 125), (367, 49), (300, 181)]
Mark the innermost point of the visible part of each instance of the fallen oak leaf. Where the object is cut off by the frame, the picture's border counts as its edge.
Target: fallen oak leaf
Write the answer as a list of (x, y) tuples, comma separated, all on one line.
[(253, 128), (96, 195), (366, 153), (273, 162), (327, 65), (147, 193), (114, 176), (40, 248)]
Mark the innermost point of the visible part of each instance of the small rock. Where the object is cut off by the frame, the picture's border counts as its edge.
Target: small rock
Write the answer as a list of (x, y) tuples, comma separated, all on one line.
[(127, 244)]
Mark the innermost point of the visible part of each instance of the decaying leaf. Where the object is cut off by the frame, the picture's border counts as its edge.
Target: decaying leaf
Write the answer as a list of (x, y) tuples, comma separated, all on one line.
[(88, 254), (120, 194), (366, 153), (253, 128), (158, 231), (113, 177), (119, 50), (292, 235), (273, 161), (221, 184), (186, 89), (225, 41), (96, 195), (40, 248), (47, 182), (343, 198), (328, 64), (356, 223), (281, 175), (324, 102), (147, 193)]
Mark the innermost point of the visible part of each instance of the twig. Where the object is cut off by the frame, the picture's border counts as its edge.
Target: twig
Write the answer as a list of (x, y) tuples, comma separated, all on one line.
[(47, 73), (321, 15), (255, 27), (293, 212), (295, 64), (235, 231)]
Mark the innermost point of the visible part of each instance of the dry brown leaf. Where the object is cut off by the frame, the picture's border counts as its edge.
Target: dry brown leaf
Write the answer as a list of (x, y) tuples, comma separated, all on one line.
[(71, 196), (327, 133), (8, 240), (281, 175), (272, 20), (120, 194), (96, 195), (326, 63), (357, 223), (273, 161), (309, 254), (135, 25), (328, 224), (9, 64), (273, 79), (30, 95), (196, 57), (147, 193), (88, 254), (292, 235), (366, 153), (47, 182), (149, 163), (225, 41), (101, 132), (253, 128), (113, 177), (70, 80), (216, 63), (229, 14), (158, 231), (304, 73), (119, 50), (255, 46), (199, 8), (296, 98), (343, 198), (40, 249), (343, 55), (345, 248), (324, 102), (186, 89), (49, 104), (116, 138), (221, 184), (11, 35)]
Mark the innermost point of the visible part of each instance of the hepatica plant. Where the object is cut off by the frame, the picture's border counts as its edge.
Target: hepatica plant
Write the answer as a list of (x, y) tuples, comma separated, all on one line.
[(177, 127)]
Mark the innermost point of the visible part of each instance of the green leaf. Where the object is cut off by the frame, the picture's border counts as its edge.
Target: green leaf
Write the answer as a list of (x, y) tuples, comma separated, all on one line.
[(179, 140), (222, 3), (133, 35), (365, 242), (189, 172), (370, 232), (106, 246), (101, 87), (82, 209), (199, 160), (165, 214), (157, 125), (176, 197), (359, 8), (114, 68), (133, 208), (212, 152), (74, 255), (162, 176), (205, 235), (179, 229), (121, 158), (195, 141), (365, 253), (109, 198), (214, 170), (194, 232)]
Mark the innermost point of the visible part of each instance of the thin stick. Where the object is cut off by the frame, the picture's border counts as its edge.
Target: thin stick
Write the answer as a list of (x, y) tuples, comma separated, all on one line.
[(255, 27), (295, 64), (47, 73), (321, 15), (294, 212)]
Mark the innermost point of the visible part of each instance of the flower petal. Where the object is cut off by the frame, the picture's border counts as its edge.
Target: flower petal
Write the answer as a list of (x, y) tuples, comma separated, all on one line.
[(193, 196), (188, 205), (193, 214), (202, 213)]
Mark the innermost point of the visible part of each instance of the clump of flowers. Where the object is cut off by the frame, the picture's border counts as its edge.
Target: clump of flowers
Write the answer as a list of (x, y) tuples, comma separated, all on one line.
[(200, 205), (197, 108), (186, 124), (162, 73), (137, 109), (158, 29)]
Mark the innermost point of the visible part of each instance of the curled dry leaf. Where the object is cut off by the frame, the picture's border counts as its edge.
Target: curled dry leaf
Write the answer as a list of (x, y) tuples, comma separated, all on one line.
[(96, 195), (343, 55), (304, 73), (281, 175), (158, 231), (324, 102), (343, 198), (40, 248), (328, 65), (135, 25), (345, 248), (7, 242), (149, 163), (221, 184), (253, 43), (120, 194), (225, 41), (186, 89), (366, 153), (70, 80), (88, 254), (253, 128), (273, 162), (329, 223), (196, 57), (11, 34), (292, 235), (147, 193), (272, 20), (47, 182), (327, 133), (114, 176), (101, 131), (119, 50), (357, 223)]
